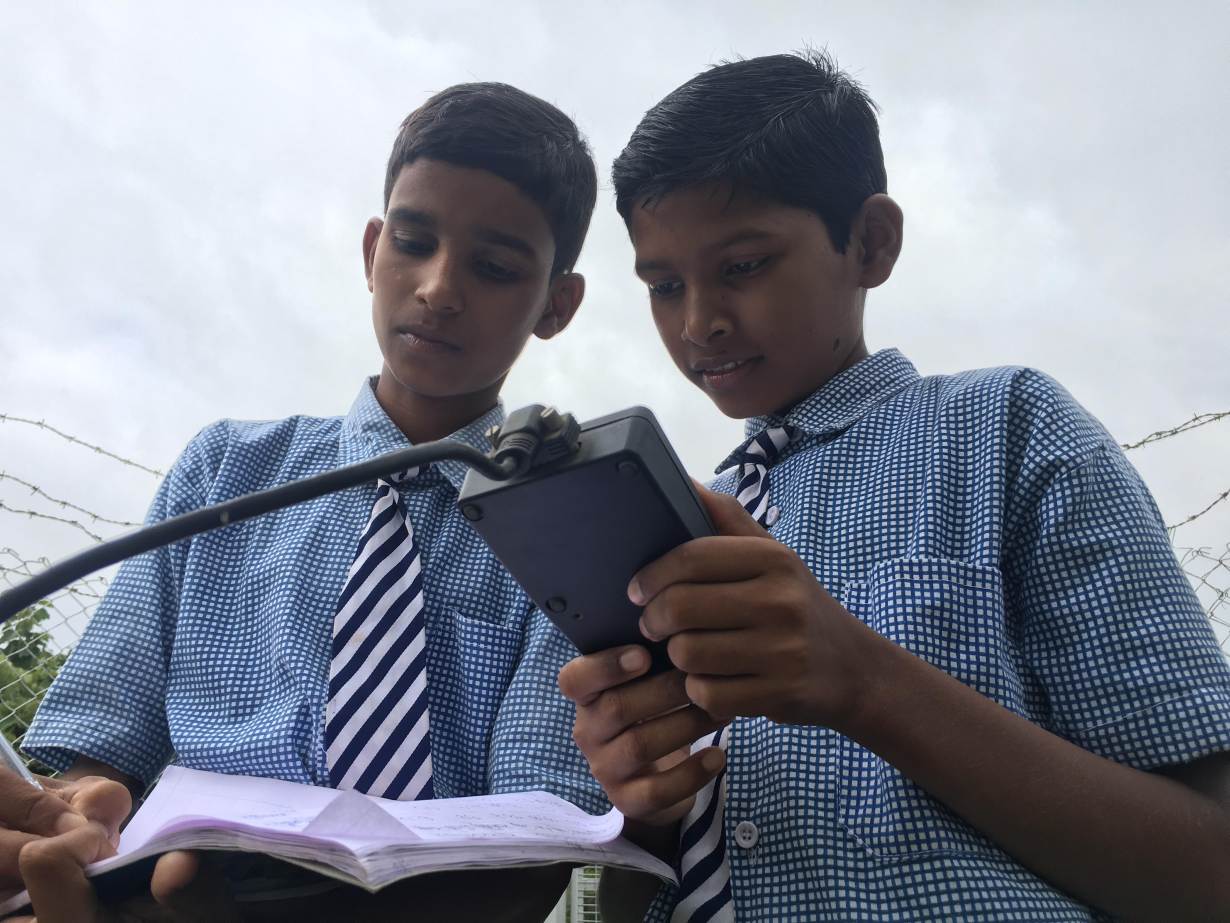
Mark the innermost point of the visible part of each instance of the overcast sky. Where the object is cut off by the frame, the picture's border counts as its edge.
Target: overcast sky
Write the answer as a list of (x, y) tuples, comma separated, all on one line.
[(183, 190)]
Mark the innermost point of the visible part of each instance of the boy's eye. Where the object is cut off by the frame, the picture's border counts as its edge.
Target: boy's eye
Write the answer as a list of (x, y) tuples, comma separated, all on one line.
[(414, 245), (665, 289), (495, 271), (745, 267)]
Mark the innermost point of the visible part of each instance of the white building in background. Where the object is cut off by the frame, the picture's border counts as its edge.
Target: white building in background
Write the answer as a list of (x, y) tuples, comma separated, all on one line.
[(580, 902)]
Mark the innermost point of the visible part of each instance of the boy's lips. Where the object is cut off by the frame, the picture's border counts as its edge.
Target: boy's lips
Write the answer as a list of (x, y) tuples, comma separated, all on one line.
[(424, 340), (720, 374)]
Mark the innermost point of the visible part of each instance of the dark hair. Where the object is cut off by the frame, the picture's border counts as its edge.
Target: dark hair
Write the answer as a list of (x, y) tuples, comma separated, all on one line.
[(516, 136), (792, 127)]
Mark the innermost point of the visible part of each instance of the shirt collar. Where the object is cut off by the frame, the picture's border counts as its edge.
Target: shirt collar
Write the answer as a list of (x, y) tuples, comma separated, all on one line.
[(841, 401), (367, 432)]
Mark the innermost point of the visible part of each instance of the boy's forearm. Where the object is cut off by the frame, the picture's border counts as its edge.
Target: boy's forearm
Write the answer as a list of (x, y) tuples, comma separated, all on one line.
[(84, 766), (1130, 842)]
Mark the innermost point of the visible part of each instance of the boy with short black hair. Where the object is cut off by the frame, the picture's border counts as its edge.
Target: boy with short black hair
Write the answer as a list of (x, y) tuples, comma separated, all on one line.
[(366, 639), (961, 675)]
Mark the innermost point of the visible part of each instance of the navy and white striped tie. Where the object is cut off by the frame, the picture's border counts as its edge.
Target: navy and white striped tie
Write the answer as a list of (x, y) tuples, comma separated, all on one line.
[(755, 459), (377, 733), (704, 869)]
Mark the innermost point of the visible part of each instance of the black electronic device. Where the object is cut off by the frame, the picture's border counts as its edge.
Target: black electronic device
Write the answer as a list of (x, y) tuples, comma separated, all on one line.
[(576, 527)]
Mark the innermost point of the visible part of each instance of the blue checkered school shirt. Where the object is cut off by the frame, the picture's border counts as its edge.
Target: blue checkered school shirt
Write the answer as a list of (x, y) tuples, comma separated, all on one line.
[(215, 652), (987, 523)]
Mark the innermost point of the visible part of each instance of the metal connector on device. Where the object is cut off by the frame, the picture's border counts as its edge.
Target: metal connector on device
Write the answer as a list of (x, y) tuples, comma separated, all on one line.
[(533, 436)]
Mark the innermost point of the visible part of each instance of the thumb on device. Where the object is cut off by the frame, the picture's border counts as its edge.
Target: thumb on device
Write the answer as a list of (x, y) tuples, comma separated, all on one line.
[(727, 514)]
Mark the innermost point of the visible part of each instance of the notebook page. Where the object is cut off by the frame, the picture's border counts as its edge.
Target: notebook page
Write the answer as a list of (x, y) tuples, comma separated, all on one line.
[(510, 818), (184, 797)]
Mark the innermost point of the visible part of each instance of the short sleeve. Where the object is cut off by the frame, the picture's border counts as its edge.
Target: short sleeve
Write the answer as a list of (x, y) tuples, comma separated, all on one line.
[(531, 744), (109, 701), (1109, 625)]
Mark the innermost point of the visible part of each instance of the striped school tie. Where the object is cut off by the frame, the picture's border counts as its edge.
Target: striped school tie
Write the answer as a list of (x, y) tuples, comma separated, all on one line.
[(704, 869), (377, 734), (755, 459)]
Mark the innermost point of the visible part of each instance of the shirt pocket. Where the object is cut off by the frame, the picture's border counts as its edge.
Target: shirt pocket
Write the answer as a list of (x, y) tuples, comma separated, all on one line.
[(469, 679), (488, 652), (951, 614)]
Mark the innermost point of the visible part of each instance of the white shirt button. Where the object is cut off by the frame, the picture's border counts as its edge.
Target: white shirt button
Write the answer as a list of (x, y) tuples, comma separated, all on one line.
[(770, 516), (746, 834)]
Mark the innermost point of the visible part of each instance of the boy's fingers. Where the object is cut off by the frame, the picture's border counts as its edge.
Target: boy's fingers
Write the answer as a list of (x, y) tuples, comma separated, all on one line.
[(174, 872), (726, 697), (665, 796), (700, 607), (712, 559), (191, 889), (717, 653), (54, 873), (30, 809), (56, 785), (11, 843), (104, 801), (28, 813), (584, 678), (642, 745), (610, 714)]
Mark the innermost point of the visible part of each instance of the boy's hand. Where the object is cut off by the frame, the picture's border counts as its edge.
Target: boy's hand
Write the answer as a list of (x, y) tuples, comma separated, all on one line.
[(28, 814), (751, 627), (182, 889), (636, 732)]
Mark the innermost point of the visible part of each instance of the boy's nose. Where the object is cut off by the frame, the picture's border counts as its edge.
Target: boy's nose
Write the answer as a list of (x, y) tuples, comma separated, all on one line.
[(704, 321), (439, 287)]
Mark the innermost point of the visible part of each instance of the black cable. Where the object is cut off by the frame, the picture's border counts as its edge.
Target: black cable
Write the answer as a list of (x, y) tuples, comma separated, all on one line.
[(512, 461)]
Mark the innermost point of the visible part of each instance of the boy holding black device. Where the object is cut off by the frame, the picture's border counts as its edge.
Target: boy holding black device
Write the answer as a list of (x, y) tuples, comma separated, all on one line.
[(940, 662), (366, 639)]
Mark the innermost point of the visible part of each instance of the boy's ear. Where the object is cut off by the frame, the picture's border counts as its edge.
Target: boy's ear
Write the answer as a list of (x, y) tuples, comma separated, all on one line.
[(563, 299), (371, 236), (877, 232)]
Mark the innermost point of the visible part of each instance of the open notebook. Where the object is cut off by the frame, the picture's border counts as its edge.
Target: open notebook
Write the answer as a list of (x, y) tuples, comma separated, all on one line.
[(367, 841)]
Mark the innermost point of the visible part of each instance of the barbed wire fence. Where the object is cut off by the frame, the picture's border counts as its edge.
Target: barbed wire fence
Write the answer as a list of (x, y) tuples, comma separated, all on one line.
[(34, 644), (1207, 568)]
